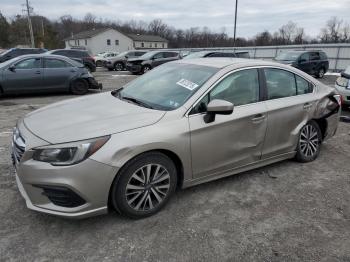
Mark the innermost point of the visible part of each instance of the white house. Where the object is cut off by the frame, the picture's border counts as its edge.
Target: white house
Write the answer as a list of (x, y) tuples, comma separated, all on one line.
[(108, 39)]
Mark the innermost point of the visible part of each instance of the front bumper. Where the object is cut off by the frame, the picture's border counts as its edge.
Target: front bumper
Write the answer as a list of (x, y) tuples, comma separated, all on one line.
[(90, 180), (133, 68)]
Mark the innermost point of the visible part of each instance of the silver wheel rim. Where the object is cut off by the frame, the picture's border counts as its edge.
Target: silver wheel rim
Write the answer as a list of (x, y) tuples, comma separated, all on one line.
[(309, 141), (147, 187), (146, 69), (321, 73), (118, 67)]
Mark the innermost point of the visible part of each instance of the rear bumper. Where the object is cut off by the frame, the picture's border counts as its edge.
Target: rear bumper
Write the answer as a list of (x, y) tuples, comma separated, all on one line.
[(93, 84)]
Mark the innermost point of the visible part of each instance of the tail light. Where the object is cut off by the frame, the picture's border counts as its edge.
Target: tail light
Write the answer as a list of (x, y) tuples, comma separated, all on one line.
[(339, 99)]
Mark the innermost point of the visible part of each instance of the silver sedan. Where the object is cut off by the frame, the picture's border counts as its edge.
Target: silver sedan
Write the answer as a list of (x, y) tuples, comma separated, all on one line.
[(182, 124)]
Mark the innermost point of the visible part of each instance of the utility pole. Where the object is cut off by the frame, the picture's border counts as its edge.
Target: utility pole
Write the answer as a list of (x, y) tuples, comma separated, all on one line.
[(30, 24), (234, 34)]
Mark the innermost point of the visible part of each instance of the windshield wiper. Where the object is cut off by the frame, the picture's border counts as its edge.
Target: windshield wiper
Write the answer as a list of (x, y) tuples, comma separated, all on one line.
[(136, 101)]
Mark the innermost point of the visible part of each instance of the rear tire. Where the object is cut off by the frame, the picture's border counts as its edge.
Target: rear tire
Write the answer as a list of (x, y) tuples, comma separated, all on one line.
[(79, 87), (321, 72), (309, 143), (144, 185), (118, 67), (99, 63)]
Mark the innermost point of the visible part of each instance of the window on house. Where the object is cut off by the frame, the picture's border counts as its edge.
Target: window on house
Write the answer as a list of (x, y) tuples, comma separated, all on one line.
[(142, 44), (108, 41), (85, 42), (150, 45), (78, 42), (117, 42), (163, 45), (155, 45)]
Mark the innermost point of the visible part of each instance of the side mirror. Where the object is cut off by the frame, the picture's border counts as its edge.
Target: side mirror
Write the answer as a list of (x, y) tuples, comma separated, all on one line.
[(12, 68), (217, 107), (126, 57)]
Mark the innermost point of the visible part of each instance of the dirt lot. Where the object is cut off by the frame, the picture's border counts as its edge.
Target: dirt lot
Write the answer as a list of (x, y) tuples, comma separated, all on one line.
[(284, 212)]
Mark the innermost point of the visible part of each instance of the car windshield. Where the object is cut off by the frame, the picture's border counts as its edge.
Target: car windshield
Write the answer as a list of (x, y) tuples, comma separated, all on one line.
[(288, 56), (195, 55), (148, 55), (167, 87)]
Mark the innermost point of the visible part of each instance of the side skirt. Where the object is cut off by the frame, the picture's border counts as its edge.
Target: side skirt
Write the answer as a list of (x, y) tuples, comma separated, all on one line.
[(233, 171)]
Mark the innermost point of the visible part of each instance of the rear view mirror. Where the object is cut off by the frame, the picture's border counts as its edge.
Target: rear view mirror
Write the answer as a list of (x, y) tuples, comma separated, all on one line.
[(217, 107)]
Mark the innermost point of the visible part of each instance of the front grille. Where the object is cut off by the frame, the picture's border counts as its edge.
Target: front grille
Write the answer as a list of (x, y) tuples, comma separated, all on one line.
[(18, 147), (62, 196)]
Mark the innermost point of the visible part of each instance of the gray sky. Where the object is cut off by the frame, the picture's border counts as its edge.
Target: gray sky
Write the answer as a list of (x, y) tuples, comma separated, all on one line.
[(254, 16)]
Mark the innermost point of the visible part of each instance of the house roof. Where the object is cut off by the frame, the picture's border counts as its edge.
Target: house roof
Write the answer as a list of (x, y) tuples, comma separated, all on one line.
[(147, 38), (87, 34), (135, 37)]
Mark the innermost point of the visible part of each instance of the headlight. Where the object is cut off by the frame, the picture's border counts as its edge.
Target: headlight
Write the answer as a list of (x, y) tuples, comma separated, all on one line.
[(69, 155)]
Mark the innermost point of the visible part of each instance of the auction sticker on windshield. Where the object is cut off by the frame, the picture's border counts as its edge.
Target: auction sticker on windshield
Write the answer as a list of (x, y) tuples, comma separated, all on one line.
[(187, 84)]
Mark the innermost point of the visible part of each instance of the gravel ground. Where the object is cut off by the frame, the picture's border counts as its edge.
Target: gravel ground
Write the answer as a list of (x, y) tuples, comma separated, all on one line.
[(283, 212)]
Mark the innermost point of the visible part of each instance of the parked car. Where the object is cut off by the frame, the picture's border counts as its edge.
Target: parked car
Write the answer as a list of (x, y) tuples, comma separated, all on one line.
[(182, 124), (15, 52), (342, 84), (100, 59), (150, 60), (118, 63), (45, 73), (81, 56), (311, 62), (201, 54)]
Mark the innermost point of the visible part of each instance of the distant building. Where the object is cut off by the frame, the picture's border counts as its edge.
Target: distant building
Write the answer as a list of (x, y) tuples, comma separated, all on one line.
[(108, 39)]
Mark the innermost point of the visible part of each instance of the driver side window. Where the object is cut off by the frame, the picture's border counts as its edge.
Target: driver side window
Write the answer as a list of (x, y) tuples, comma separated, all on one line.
[(28, 64), (239, 88)]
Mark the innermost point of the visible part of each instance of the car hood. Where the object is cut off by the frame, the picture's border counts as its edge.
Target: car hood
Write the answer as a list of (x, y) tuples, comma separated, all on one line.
[(88, 117)]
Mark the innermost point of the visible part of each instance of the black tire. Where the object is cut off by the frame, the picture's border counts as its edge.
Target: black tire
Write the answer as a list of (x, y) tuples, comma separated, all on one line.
[(110, 69), (320, 73), (146, 68), (99, 63), (118, 66), (79, 87), (309, 146), (123, 201)]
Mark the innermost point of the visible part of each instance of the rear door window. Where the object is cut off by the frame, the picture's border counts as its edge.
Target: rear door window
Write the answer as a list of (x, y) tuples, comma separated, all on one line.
[(303, 86), (55, 63), (314, 56), (305, 57), (279, 83)]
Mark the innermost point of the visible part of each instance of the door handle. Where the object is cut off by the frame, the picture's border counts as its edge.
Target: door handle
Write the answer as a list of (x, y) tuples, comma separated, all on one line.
[(307, 105), (258, 118)]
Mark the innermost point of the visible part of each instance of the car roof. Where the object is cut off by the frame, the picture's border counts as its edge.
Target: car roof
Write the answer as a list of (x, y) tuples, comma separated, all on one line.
[(47, 55), (222, 62)]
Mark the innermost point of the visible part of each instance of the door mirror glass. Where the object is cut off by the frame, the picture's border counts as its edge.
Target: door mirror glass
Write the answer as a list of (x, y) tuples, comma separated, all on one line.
[(12, 68), (217, 107)]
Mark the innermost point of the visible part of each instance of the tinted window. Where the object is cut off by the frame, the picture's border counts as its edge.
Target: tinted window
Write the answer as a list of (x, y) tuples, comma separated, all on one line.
[(323, 56), (170, 54), (243, 55), (303, 86), (158, 56), (77, 54), (61, 52), (139, 53), (55, 63), (279, 83), (29, 64), (314, 56), (305, 57)]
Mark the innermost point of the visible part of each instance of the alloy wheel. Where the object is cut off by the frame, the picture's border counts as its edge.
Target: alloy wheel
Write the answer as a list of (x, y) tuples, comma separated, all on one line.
[(147, 187), (118, 67), (309, 141), (321, 73)]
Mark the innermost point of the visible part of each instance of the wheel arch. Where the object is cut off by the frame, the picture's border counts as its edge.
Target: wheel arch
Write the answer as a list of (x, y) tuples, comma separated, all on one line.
[(173, 156)]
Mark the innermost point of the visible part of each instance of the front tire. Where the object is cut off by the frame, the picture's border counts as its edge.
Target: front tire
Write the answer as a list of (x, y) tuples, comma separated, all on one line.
[(309, 143), (79, 87), (118, 67), (99, 63), (144, 185), (145, 69)]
